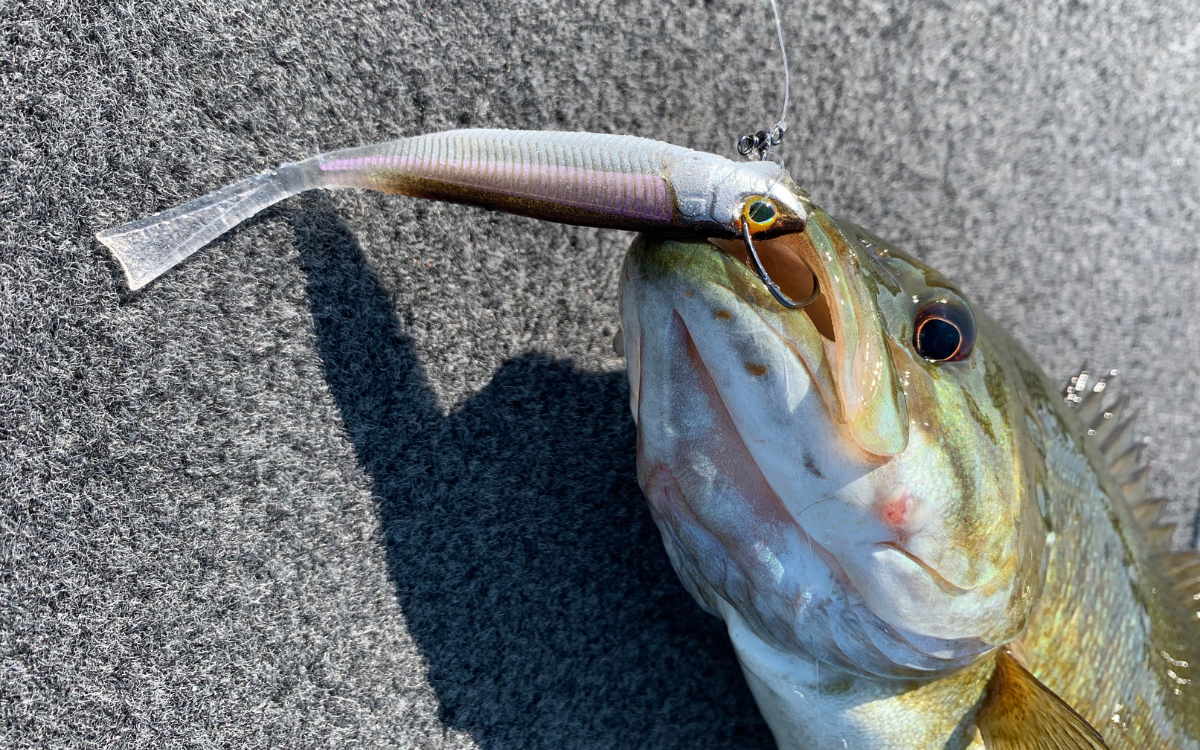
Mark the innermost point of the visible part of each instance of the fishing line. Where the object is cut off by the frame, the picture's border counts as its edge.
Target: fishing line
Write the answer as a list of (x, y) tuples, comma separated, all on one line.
[(760, 144), (781, 126)]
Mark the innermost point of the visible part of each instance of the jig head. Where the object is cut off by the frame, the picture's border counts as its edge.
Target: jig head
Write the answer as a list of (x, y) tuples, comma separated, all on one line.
[(759, 212)]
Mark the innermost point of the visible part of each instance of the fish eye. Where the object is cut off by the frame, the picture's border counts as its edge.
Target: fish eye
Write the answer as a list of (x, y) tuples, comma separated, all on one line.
[(760, 213), (944, 331)]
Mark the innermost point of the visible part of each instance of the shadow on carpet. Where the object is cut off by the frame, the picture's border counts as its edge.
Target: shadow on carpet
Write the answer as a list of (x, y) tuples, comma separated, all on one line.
[(523, 558)]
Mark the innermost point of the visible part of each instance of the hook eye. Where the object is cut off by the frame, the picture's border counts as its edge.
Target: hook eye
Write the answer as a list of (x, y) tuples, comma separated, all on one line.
[(771, 286)]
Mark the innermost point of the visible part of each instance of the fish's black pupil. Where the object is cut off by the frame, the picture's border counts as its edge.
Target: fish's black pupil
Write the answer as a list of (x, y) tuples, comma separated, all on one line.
[(938, 339), (945, 330), (761, 212)]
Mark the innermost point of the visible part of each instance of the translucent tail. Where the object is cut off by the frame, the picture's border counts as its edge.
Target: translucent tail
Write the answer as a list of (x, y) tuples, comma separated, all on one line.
[(149, 247)]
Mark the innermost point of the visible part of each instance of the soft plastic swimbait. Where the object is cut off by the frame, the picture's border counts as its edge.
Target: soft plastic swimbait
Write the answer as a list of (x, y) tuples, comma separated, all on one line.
[(615, 181)]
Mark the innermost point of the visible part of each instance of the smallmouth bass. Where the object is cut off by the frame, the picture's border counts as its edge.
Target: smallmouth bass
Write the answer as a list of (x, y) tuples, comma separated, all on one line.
[(900, 546)]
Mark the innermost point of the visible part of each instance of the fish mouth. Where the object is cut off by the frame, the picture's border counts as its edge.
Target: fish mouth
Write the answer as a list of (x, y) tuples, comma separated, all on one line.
[(940, 580), (810, 331), (864, 392), (770, 367), (789, 271)]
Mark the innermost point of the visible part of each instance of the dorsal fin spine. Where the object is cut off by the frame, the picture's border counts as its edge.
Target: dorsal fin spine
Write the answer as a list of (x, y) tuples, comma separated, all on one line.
[(1114, 438), (1116, 435)]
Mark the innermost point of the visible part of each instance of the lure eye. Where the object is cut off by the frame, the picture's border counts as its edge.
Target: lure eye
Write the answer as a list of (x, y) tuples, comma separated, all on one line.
[(760, 214), (944, 331)]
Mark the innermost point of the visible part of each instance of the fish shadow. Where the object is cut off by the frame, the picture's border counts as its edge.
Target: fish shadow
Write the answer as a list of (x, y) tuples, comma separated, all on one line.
[(528, 569)]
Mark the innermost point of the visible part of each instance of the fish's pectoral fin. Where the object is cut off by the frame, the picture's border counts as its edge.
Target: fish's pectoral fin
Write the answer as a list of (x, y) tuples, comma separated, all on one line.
[(1020, 713)]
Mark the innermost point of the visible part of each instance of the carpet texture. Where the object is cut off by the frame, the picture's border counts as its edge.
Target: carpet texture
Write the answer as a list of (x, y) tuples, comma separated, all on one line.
[(360, 474)]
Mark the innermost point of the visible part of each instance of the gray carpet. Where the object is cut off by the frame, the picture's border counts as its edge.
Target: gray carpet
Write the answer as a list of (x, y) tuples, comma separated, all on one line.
[(361, 473)]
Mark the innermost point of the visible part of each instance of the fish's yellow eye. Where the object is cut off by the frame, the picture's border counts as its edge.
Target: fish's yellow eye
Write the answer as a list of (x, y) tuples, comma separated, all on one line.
[(760, 214)]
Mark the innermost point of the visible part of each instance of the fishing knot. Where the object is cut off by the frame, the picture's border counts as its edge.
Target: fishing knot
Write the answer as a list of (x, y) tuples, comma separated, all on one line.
[(760, 144)]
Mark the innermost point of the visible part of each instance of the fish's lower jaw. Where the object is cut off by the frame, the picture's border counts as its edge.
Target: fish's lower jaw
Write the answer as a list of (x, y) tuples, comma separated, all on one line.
[(812, 705), (785, 588)]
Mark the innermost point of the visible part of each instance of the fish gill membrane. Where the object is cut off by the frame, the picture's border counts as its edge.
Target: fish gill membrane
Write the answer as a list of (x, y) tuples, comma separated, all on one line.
[(613, 181)]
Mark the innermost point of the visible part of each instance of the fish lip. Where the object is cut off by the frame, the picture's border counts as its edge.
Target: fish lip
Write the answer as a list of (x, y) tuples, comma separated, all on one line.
[(942, 582)]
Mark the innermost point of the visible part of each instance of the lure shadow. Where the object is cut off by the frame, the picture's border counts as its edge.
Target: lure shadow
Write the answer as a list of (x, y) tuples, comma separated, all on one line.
[(522, 555)]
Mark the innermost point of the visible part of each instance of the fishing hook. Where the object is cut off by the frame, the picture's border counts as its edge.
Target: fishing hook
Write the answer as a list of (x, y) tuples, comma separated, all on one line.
[(771, 286)]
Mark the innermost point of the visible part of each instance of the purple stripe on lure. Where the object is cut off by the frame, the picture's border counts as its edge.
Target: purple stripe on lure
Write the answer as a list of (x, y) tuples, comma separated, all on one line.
[(642, 196)]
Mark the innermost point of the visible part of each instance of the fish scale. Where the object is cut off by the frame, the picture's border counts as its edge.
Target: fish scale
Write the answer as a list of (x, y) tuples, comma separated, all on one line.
[(1142, 690)]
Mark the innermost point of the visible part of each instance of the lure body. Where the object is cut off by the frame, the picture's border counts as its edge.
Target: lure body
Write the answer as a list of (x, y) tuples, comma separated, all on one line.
[(588, 179)]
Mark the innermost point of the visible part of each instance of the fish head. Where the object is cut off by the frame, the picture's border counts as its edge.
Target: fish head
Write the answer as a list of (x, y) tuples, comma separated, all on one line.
[(854, 479)]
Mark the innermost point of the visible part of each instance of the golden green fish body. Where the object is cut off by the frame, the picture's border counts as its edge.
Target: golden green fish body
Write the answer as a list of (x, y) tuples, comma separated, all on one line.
[(1113, 635), (872, 526)]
